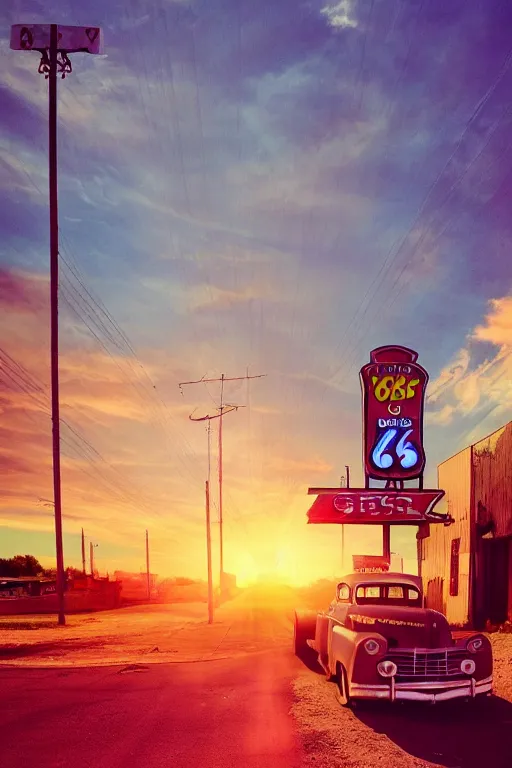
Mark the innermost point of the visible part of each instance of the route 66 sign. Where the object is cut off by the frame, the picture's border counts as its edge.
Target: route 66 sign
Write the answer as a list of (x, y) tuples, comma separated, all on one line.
[(393, 387)]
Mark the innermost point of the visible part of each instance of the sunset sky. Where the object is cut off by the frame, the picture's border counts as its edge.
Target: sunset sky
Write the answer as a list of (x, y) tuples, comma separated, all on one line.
[(275, 187)]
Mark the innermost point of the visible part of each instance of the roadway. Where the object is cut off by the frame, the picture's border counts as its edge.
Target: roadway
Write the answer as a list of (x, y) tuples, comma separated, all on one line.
[(221, 714), (244, 702)]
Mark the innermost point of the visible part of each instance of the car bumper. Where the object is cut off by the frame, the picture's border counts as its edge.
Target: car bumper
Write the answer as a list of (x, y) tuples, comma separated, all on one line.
[(429, 692)]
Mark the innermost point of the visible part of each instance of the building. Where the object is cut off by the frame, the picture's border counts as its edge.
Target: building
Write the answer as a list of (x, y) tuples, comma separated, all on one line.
[(467, 567), (26, 586), (134, 586)]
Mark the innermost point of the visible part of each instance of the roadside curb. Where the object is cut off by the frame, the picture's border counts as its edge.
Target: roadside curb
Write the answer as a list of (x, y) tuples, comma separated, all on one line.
[(138, 661)]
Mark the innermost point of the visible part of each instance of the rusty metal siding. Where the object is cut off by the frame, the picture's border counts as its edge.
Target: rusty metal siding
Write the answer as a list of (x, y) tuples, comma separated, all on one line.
[(492, 474), (455, 479)]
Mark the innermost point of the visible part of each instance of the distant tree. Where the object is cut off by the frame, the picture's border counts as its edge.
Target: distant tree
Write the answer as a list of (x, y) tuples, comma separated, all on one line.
[(20, 565), (73, 573)]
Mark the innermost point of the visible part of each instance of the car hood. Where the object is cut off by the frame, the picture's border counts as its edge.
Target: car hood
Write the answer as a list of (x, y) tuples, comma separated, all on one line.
[(402, 627)]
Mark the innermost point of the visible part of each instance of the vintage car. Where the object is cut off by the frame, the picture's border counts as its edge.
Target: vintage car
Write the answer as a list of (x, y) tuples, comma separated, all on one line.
[(378, 641)]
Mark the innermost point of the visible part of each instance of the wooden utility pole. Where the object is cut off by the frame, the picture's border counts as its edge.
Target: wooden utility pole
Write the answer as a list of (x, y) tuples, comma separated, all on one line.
[(84, 568), (222, 379), (148, 575), (221, 521), (209, 554), (54, 314), (91, 557), (47, 39)]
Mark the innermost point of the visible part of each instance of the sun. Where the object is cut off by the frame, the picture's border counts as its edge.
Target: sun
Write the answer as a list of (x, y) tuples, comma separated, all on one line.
[(246, 570)]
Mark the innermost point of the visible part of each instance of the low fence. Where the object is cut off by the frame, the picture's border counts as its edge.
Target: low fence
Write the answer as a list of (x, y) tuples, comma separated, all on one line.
[(75, 602)]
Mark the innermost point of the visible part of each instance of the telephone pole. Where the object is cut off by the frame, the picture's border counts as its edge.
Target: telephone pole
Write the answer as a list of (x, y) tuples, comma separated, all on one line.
[(209, 418), (221, 409), (84, 569), (91, 556), (209, 552), (54, 42), (148, 577)]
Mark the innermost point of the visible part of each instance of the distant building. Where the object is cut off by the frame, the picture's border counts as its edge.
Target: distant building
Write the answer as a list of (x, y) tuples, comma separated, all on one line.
[(26, 586), (467, 567), (134, 586)]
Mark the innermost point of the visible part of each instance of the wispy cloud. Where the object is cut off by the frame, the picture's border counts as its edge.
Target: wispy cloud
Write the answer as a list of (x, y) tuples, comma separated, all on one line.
[(465, 389)]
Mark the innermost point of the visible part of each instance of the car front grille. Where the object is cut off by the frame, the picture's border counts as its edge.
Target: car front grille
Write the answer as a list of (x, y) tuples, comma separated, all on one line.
[(428, 664)]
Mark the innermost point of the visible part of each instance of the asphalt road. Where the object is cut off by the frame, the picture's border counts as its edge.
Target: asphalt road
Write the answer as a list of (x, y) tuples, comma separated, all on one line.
[(220, 714)]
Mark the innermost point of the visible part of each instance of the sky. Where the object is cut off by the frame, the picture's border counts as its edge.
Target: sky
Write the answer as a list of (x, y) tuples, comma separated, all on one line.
[(247, 188)]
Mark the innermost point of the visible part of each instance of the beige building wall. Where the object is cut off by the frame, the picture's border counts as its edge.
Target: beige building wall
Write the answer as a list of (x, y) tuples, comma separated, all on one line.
[(454, 477)]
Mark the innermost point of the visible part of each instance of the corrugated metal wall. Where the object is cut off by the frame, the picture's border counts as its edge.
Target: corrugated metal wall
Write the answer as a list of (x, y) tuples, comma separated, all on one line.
[(455, 479), (492, 477), (492, 484)]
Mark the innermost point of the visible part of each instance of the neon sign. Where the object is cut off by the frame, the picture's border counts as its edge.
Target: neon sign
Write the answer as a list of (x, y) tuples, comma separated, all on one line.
[(393, 387), (375, 505)]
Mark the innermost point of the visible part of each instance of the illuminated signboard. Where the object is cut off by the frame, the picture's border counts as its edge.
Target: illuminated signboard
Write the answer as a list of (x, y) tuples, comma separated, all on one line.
[(393, 387), (375, 505)]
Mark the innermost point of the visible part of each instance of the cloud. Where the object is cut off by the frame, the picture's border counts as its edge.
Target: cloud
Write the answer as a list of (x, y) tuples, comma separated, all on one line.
[(498, 328), (450, 375), (23, 292), (340, 15), (470, 390)]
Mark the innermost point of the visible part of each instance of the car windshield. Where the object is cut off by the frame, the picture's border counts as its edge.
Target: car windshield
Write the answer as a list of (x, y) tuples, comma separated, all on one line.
[(388, 594)]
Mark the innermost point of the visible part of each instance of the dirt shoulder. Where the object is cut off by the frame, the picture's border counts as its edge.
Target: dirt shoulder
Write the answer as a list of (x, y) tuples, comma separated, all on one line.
[(148, 634)]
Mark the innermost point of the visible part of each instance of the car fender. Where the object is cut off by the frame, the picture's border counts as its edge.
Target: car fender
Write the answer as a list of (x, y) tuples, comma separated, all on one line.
[(345, 646), (322, 635), (483, 658)]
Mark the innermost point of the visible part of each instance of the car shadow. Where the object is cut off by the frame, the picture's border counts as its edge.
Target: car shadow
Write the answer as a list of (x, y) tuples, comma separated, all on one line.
[(309, 658), (452, 734)]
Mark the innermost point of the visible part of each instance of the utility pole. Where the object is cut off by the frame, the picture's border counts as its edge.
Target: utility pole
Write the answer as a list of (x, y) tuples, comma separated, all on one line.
[(222, 380), (209, 418), (54, 42), (209, 552), (221, 519), (83, 553), (148, 576), (91, 557)]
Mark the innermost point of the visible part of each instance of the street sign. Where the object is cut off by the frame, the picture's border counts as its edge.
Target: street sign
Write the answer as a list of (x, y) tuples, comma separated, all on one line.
[(393, 387), (376, 505), (36, 37)]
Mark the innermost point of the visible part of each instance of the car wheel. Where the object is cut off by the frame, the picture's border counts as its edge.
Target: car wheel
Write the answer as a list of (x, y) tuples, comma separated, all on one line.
[(303, 630), (341, 681)]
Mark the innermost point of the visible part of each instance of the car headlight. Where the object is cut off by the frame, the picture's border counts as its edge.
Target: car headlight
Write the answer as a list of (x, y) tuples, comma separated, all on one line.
[(468, 666), (475, 644), (387, 668), (371, 646)]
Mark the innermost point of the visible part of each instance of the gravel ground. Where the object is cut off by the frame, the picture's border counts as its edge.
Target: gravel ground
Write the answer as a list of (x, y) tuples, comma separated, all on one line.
[(452, 735)]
